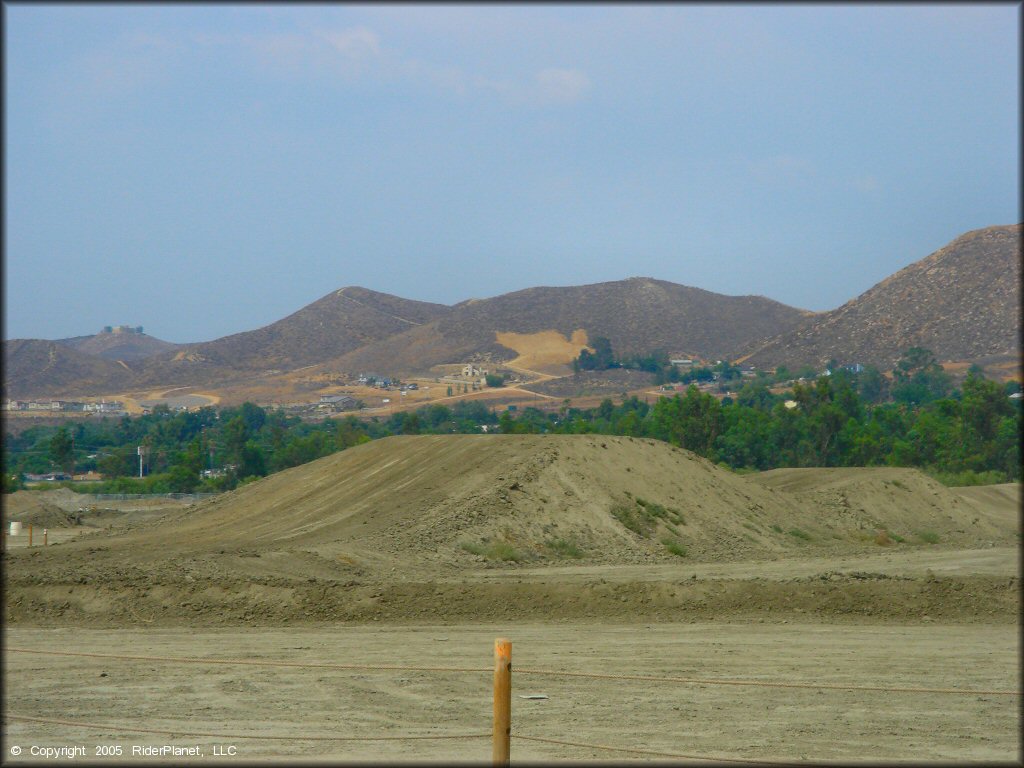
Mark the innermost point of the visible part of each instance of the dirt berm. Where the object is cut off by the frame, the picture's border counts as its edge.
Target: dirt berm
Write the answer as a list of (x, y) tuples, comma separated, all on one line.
[(418, 527)]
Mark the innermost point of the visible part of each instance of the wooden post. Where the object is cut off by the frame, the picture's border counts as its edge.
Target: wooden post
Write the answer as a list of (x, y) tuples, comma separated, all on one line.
[(30, 534), (44, 537), (502, 702)]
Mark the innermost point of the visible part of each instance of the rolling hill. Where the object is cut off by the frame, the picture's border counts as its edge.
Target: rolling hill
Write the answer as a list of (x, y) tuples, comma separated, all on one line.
[(962, 302), (35, 368), (114, 345), (637, 315), (340, 322)]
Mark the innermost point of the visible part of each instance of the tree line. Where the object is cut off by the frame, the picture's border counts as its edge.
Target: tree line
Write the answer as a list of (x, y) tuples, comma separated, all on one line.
[(961, 435)]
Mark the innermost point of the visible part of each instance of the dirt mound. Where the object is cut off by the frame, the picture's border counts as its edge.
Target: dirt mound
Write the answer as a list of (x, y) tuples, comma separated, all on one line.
[(904, 502), (411, 526), (37, 509), (422, 502), (66, 499)]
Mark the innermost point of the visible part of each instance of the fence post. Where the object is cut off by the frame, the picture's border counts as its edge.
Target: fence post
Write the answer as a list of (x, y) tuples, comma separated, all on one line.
[(500, 752), (44, 537), (30, 534)]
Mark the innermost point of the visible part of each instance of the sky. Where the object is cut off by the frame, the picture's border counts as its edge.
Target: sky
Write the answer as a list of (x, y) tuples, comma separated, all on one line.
[(202, 170)]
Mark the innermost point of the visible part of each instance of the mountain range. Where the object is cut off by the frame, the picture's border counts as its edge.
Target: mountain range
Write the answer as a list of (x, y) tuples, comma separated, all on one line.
[(962, 302)]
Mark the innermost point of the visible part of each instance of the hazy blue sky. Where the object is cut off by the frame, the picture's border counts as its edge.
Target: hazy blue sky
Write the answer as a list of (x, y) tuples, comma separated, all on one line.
[(201, 170)]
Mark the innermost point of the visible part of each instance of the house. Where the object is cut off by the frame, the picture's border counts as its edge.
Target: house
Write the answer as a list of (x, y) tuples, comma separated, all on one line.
[(49, 476), (470, 371), (111, 406), (336, 402)]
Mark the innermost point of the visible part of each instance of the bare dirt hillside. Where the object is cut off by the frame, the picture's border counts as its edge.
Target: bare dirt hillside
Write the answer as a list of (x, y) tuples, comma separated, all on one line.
[(119, 345), (412, 526), (638, 315), (962, 302), (34, 368)]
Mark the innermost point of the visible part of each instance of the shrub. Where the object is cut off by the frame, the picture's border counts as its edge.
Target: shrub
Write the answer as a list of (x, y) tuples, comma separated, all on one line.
[(674, 547), (498, 550), (564, 548), (969, 477), (928, 537), (638, 523), (797, 533), (502, 550)]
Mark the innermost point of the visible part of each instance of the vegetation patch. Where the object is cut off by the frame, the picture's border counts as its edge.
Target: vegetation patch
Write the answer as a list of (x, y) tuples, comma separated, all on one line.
[(928, 537), (799, 534), (777, 528), (652, 509), (564, 548), (639, 523), (969, 477), (497, 550), (674, 547)]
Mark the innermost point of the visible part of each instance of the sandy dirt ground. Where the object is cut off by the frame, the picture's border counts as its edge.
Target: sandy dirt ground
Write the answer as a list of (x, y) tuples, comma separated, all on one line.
[(594, 554), (546, 354), (701, 720)]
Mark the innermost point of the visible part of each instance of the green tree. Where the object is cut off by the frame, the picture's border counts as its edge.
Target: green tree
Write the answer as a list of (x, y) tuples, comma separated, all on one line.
[(118, 462), (602, 357), (235, 434), (918, 378), (506, 423), (252, 462), (872, 385), (62, 449), (692, 422), (755, 394)]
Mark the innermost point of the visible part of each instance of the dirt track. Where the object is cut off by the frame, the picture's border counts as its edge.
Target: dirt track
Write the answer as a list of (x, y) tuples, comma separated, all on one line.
[(702, 720), (393, 552)]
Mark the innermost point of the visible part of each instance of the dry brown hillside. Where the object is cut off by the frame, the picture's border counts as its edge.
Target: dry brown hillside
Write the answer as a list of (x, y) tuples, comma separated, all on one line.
[(962, 302), (34, 368), (340, 322), (120, 346), (638, 315)]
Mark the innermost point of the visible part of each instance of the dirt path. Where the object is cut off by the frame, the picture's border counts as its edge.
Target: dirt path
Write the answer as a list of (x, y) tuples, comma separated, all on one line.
[(995, 561), (699, 720)]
